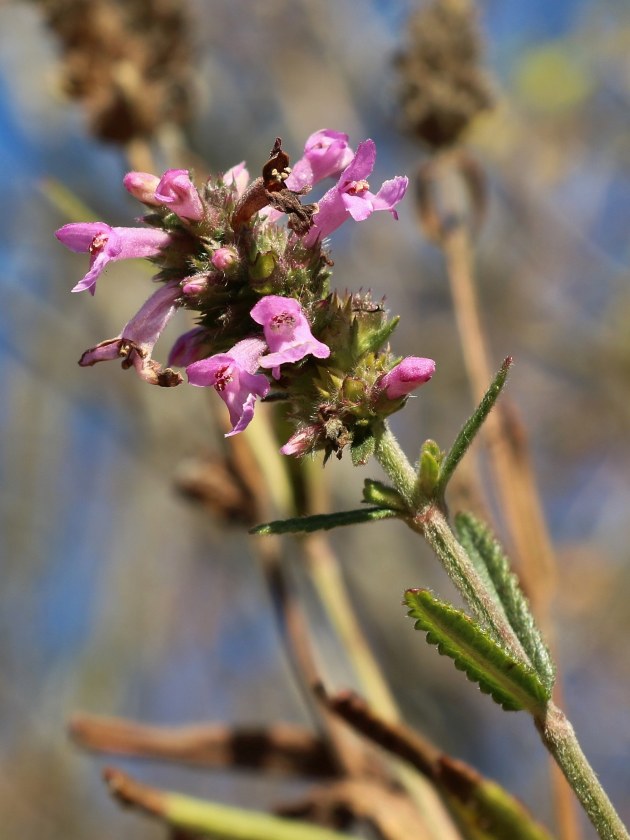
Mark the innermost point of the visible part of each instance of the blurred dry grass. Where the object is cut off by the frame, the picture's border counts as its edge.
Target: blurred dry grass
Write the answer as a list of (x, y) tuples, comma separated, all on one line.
[(120, 597)]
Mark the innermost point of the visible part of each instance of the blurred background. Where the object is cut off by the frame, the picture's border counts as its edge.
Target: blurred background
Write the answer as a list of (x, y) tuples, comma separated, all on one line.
[(121, 597)]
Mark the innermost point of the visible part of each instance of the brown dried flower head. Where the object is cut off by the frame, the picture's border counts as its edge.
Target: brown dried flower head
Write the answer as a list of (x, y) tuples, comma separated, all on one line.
[(127, 61), (442, 83)]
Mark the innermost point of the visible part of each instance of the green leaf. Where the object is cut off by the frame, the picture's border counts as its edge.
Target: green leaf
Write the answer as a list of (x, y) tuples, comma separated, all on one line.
[(511, 684), (382, 495), (483, 548), (429, 470), (372, 340), (362, 451), (472, 426), (263, 266), (323, 521)]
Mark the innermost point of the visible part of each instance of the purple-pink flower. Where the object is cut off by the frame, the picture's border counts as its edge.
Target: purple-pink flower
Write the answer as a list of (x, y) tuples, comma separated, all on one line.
[(238, 177), (106, 244), (326, 154), (179, 194), (135, 343), (287, 332), (189, 347), (351, 196), (406, 377), (233, 377)]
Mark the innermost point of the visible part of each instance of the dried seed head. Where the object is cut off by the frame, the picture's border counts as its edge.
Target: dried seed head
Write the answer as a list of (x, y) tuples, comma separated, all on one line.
[(128, 61), (442, 83)]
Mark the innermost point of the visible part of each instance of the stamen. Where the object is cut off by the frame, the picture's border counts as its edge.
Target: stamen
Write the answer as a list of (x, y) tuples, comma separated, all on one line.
[(282, 320), (356, 187), (222, 378), (98, 243)]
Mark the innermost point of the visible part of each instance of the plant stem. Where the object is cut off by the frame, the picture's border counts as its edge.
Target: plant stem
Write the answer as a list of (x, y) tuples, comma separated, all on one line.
[(559, 737), (394, 461), (428, 520), (555, 730)]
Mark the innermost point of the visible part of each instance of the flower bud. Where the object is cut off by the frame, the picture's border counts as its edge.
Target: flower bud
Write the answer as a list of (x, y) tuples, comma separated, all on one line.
[(302, 441), (195, 286), (406, 377), (223, 258), (142, 185)]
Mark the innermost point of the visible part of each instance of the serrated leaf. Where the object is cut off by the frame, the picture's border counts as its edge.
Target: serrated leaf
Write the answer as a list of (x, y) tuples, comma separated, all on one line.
[(382, 495), (482, 547), (510, 683), (472, 425), (362, 451), (323, 521)]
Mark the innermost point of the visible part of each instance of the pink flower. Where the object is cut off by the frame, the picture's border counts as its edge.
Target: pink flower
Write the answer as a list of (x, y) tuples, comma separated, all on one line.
[(351, 196), (178, 192), (142, 185), (106, 244), (135, 343), (406, 377), (287, 332), (189, 347), (238, 177), (232, 376), (326, 154)]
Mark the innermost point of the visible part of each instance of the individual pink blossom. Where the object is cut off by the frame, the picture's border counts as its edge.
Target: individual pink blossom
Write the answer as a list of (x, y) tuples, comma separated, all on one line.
[(351, 196), (287, 332), (223, 258), (406, 377), (326, 154), (238, 177), (233, 377), (142, 185), (301, 441), (106, 244), (179, 194), (189, 347), (135, 343)]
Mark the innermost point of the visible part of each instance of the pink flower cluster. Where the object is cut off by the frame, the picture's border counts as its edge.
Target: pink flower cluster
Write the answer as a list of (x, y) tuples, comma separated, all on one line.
[(288, 338)]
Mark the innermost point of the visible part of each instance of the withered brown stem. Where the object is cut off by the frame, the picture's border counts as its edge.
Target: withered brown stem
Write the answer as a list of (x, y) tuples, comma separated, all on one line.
[(280, 748)]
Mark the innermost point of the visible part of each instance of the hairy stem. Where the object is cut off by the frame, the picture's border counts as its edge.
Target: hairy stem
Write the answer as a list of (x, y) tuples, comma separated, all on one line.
[(428, 520), (394, 461), (560, 739), (556, 731)]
